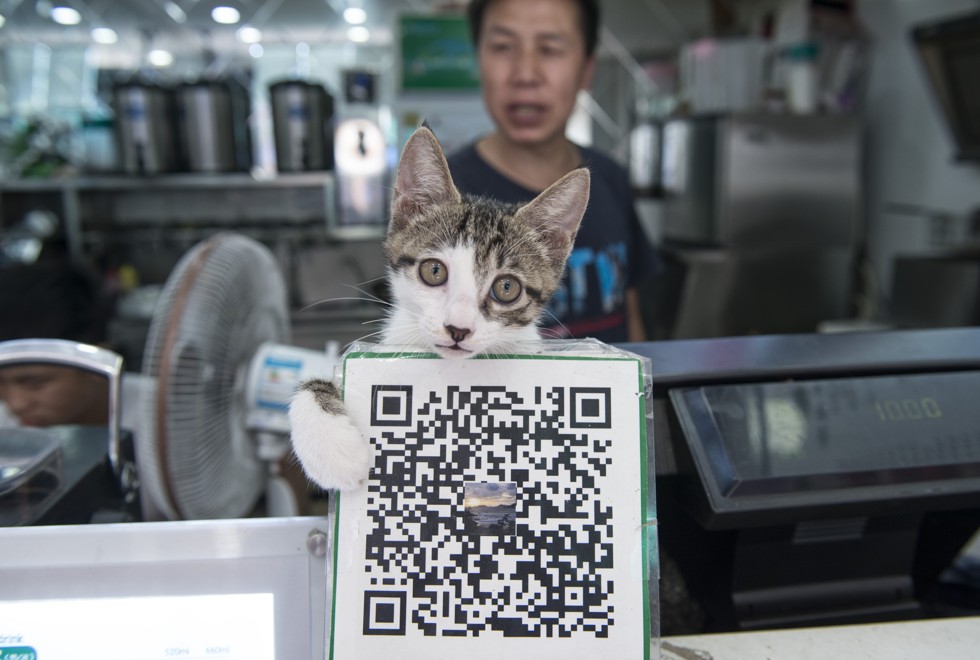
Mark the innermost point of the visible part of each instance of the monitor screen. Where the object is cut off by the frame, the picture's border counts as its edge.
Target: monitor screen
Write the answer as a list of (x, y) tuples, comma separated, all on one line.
[(253, 589), (833, 444), (950, 54), (232, 626)]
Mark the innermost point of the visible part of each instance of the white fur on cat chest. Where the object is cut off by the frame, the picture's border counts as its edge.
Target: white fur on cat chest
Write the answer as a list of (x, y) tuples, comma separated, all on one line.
[(506, 513)]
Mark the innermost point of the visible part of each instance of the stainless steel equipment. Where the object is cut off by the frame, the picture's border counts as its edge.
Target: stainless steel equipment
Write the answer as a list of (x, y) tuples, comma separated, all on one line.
[(145, 124), (212, 127), (301, 117), (754, 182), (761, 216)]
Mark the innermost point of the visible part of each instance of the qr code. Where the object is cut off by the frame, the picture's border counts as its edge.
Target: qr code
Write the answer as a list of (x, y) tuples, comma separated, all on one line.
[(506, 514), (486, 513)]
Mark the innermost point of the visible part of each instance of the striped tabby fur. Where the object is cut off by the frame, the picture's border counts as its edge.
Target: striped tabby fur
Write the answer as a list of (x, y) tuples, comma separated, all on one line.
[(468, 276)]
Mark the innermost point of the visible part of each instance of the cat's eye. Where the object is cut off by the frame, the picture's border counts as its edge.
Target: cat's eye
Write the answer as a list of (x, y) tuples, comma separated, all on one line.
[(433, 272), (505, 289)]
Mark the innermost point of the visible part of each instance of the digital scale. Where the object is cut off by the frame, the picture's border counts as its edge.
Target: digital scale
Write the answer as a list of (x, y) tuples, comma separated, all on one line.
[(817, 479)]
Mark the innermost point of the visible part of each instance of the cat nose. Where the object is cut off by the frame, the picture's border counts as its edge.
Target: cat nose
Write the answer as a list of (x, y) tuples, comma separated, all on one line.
[(458, 334)]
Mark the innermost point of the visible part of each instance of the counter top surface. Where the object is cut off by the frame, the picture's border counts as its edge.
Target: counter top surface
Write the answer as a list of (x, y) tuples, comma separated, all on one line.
[(768, 357), (949, 639)]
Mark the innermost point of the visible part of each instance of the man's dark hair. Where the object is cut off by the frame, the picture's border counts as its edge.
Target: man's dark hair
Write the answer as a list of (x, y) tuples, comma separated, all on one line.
[(53, 300), (588, 21)]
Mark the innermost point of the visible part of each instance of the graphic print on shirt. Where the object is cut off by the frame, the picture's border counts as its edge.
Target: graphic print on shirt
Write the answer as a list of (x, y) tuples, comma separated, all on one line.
[(602, 270)]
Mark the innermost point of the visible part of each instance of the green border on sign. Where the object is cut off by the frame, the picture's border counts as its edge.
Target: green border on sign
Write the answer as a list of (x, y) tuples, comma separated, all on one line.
[(645, 528)]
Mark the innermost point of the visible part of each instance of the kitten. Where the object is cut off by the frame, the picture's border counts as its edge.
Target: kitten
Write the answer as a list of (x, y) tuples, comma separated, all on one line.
[(468, 276)]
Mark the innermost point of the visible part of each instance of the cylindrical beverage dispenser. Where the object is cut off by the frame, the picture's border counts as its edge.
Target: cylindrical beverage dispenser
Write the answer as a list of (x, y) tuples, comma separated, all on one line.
[(145, 125), (301, 117), (207, 127)]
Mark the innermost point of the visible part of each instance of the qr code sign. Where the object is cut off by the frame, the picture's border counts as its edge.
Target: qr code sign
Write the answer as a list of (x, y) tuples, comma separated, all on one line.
[(503, 512)]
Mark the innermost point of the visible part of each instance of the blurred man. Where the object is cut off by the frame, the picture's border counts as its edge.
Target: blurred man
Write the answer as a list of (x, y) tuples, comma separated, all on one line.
[(52, 301), (52, 395), (535, 56)]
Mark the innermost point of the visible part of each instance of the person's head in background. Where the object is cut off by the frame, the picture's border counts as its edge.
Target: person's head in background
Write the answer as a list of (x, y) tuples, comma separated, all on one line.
[(534, 57), (53, 301)]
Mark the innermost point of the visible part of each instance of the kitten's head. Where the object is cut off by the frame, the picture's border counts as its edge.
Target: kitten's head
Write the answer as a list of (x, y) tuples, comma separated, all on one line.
[(468, 275)]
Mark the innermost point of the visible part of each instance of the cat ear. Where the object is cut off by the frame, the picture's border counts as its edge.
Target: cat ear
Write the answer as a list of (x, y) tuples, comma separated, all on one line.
[(557, 212), (423, 179)]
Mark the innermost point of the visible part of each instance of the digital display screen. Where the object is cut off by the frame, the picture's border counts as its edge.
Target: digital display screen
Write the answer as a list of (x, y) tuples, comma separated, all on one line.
[(821, 436), (950, 53), (229, 626), (962, 64)]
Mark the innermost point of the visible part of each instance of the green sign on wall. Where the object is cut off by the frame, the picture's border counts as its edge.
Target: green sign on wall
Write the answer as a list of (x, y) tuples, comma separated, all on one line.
[(437, 54)]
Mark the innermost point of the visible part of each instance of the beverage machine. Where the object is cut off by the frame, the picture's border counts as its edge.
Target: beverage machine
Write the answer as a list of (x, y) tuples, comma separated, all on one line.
[(761, 222)]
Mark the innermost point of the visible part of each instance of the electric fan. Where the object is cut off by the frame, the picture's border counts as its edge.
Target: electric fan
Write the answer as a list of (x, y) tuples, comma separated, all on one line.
[(215, 429)]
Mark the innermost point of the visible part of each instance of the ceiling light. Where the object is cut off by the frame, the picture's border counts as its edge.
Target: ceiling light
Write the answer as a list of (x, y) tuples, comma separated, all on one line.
[(104, 35), (160, 57), (225, 15), (176, 14), (249, 35), (256, 50), (3, 20), (355, 15), (65, 16), (358, 34)]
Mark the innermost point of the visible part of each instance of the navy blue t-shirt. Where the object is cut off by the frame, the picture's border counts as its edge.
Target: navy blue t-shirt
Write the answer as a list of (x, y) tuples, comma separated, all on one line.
[(611, 251)]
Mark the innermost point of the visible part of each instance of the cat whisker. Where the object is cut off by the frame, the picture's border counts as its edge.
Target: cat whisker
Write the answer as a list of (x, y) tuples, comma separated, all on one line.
[(374, 279), (405, 337), (376, 333), (341, 299), (369, 296), (373, 337), (555, 334)]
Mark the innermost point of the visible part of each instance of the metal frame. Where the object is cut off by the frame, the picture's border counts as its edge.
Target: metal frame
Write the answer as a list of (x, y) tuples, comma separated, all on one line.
[(83, 356)]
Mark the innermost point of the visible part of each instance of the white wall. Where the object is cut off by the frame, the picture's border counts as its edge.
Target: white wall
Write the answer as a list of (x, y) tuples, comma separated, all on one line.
[(909, 149)]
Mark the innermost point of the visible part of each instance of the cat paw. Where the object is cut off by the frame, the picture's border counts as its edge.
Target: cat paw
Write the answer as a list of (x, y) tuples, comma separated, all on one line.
[(331, 450)]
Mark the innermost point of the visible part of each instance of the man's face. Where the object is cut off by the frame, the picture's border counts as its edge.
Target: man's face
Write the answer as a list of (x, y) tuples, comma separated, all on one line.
[(49, 395), (532, 65)]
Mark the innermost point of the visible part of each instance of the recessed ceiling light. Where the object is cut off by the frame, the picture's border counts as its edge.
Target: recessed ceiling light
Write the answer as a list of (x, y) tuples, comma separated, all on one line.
[(358, 34), (160, 57), (225, 15), (256, 50), (104, 35), (176, 14), (355, 15), (3, 20), (249, 35), (65, 16)]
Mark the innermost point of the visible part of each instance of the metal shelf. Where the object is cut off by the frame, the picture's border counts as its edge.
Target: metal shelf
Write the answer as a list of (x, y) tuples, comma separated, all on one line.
[(176, 181), (96, 205)]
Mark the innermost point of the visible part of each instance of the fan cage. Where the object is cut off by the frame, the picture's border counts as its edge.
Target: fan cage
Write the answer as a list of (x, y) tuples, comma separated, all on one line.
[(225, 298)]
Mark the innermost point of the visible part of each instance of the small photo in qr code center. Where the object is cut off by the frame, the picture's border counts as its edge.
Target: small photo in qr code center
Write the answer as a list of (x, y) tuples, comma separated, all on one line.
[(489, 509)]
